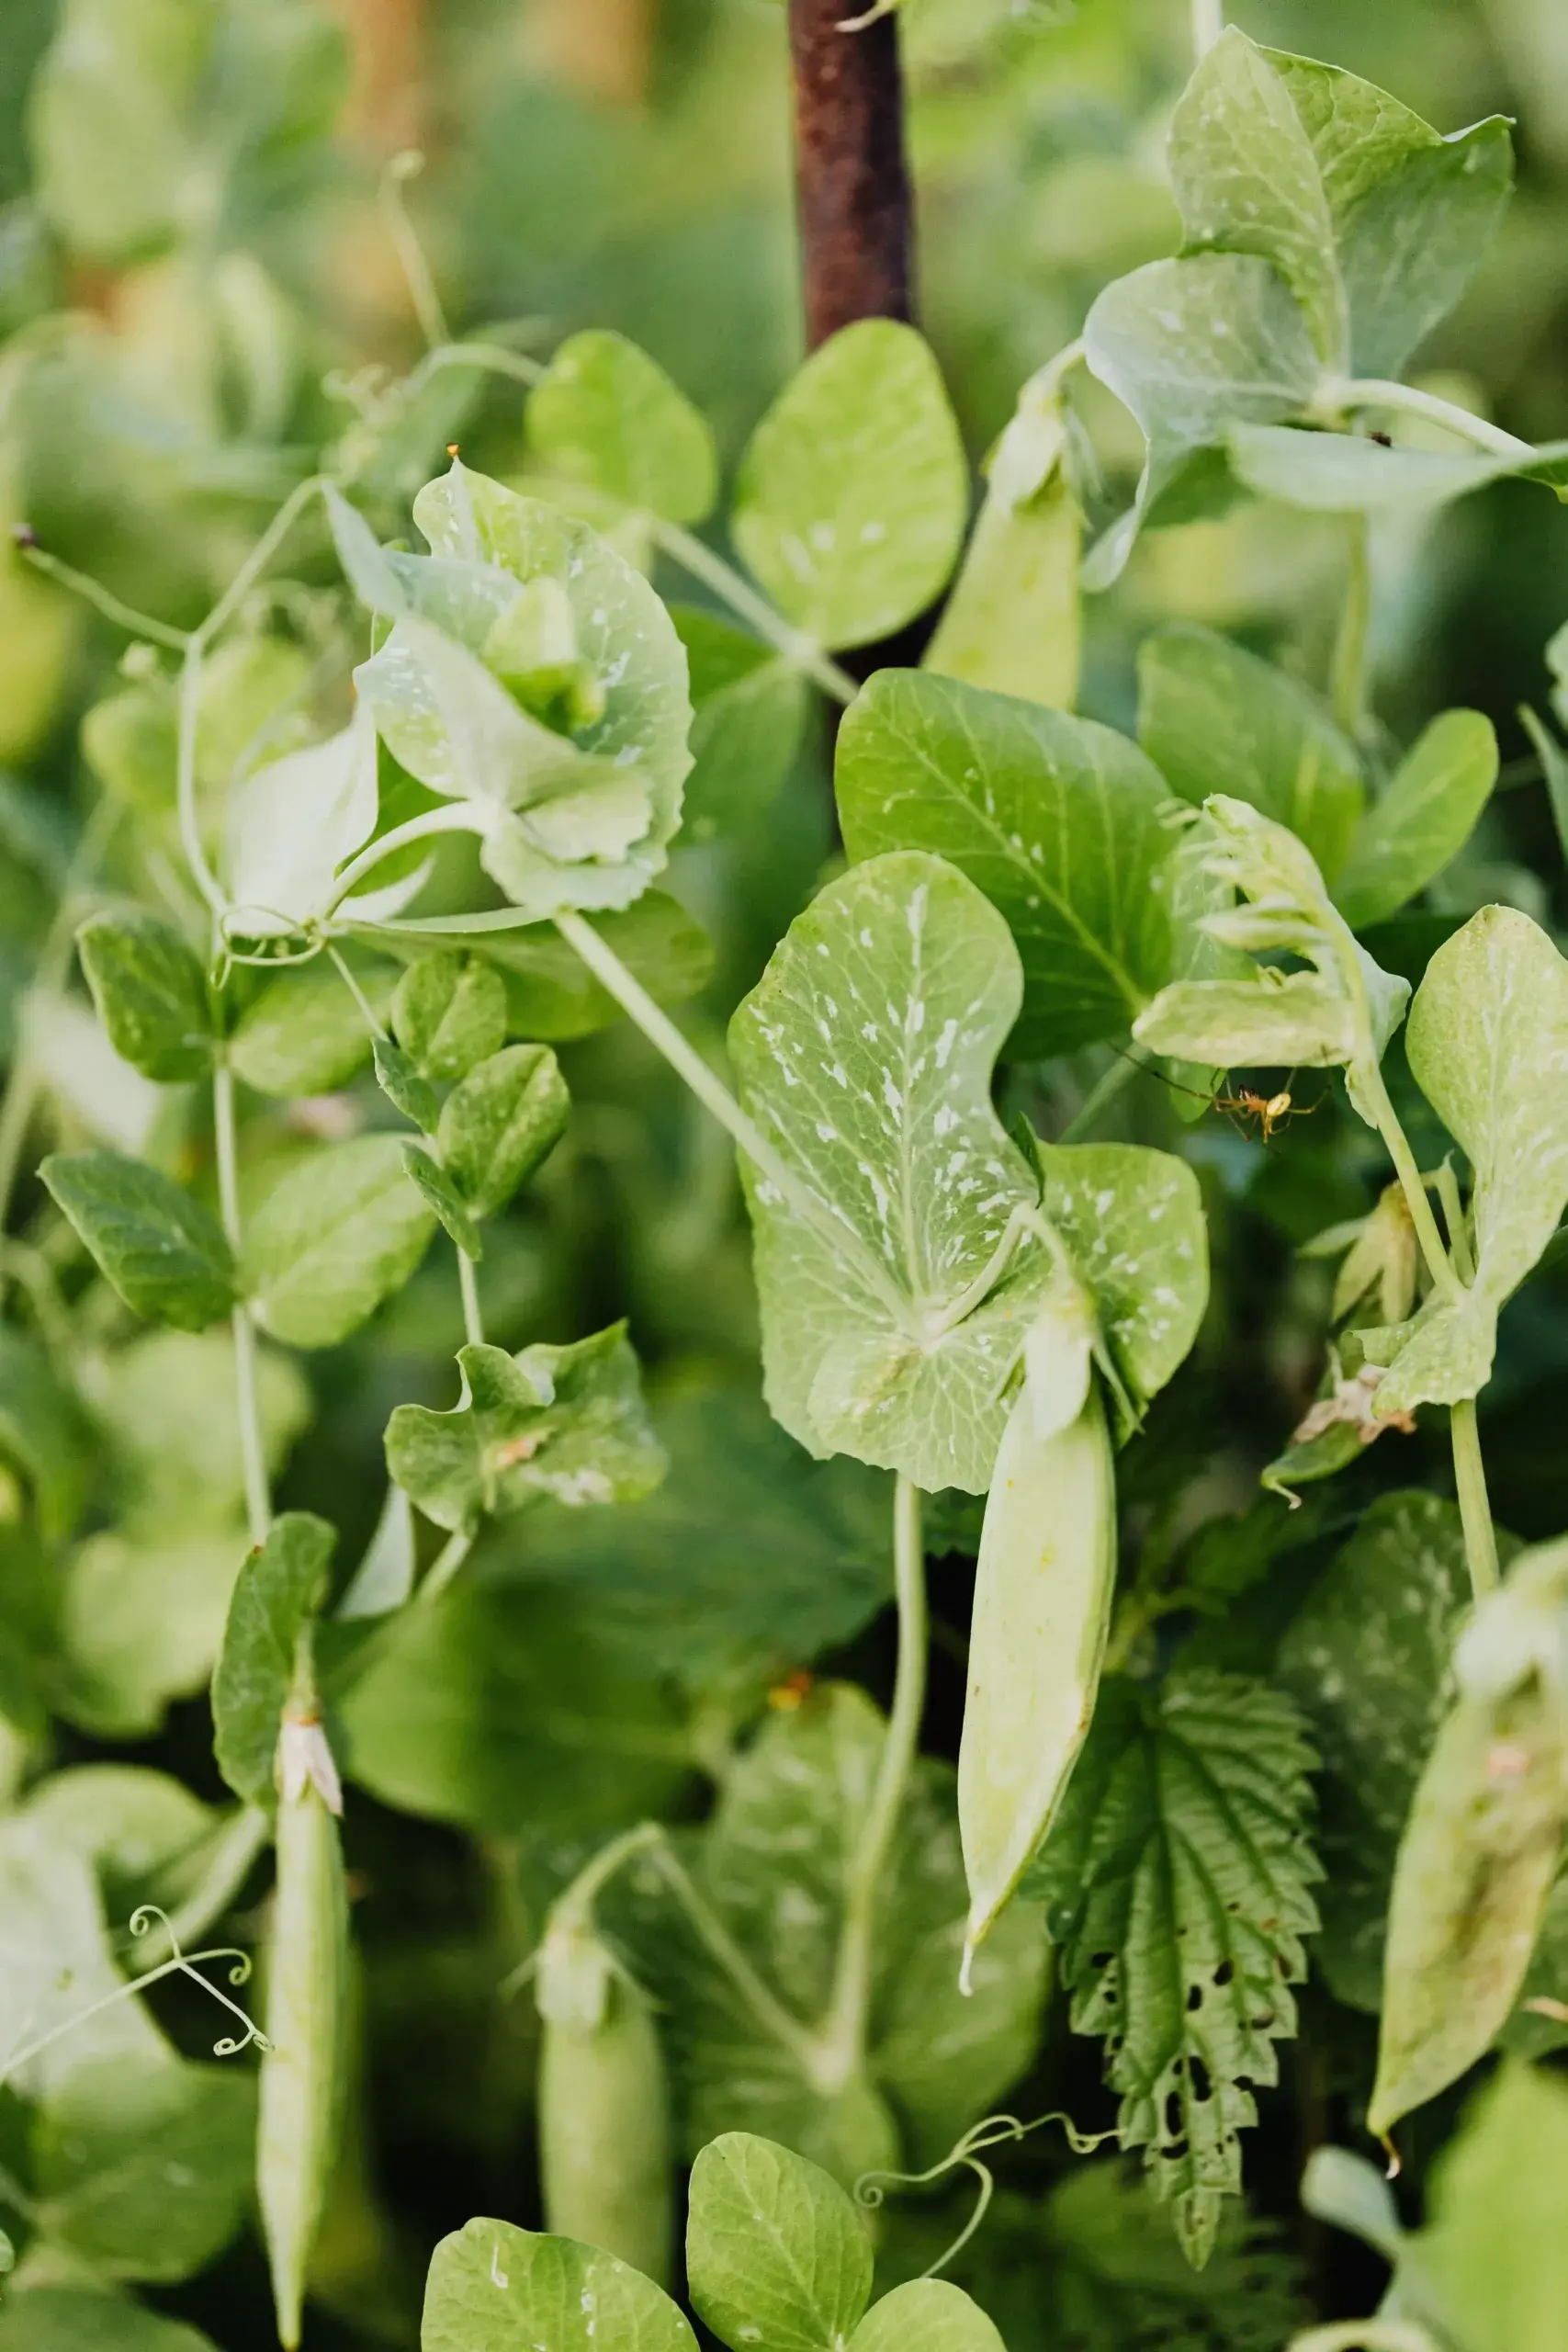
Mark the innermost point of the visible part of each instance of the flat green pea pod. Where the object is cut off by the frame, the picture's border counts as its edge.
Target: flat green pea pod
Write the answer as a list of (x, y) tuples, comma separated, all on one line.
[(307, 2001), (604, 2143), (1042, 1595)]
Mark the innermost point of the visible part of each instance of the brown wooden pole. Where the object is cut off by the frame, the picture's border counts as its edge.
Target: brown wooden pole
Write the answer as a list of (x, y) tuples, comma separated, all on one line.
[(852, 178)]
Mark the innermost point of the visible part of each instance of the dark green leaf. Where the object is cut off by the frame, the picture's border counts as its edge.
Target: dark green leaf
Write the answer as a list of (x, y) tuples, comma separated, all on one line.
[(750, 712), (151, 993), (143, 2168), (500, 1125), (551, 994), (43, 1434), (449, 1011), (162, 1252), (76, 2319), (1423, 820), (281, 1587), (400, 1082), (432, 1181)]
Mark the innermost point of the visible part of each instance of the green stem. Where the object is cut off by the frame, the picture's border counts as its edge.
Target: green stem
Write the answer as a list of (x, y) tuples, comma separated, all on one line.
[(1208, 24), (794, 646), (1378, 392), (843, 2041), (1446, 1184), (445, 1566), (409, 252), (468, 1283), (1349, 667), (260, 555), (105, 600), (493, 357), (1106, 1087), (1411, 1184), (206, 880), (1474, 1508), (253, 1447), (577, 1899), (367, 1010), (452, 816)]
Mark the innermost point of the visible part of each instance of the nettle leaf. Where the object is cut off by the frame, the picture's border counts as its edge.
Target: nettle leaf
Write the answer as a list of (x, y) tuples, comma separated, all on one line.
[(1488, 1045), (1366, 1659), (1213, 718), (502, 1710), (494, 2288), (607, 417), (772, 1865), (282, 1586), (151, 994), (291, 825), (566, 1424), (777, 2254), (1422, 820), (1176, 1883), (501, 1123), (851, 501), (449, 1012), (1056, 819), (304, 1035), (750, 708), (161, 1251), (865, 1056), (340, 1231), (1133, 1225)]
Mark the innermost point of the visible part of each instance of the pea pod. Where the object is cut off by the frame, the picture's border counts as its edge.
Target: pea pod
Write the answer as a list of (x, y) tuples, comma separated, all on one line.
[(307, 1998), (1042, 1595), (604, 2150)]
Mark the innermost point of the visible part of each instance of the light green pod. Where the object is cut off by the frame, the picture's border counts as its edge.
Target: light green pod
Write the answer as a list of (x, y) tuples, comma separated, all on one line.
[(1043, 1594), (605, 2147), (302, 2073)]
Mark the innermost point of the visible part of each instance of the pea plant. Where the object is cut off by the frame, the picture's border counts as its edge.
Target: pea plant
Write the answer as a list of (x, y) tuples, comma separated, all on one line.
[(352, 987)]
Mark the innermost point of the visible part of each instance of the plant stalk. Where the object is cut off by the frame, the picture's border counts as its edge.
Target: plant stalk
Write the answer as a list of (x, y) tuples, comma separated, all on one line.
[(443, 1567), (792, 646), (253, 1447), (1474, 1507), (1348, 677), (1208, 25), (468, 1283), (852, 178)]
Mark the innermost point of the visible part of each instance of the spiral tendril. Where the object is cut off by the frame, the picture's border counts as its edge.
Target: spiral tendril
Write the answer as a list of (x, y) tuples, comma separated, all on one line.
[(992, 2132), (146, 1916)]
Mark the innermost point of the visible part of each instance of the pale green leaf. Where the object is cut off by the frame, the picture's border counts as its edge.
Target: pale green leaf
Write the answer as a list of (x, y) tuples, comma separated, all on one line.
[(449, 1012), (1056, 819), (1423, 819), (55, 1966), (777, 2254), (292, 824), (143, 1608), (168, 1400), (76, 2319), (550, 993), (397, 1076), (143, 2167), (494, 2288), (1133, 1225), (385, 1577), (144, 1833), (340, 1232), (304, 1035), (162, 1252), (1176, 1886), (281, 1587), (1214, 719), (865, 1055), (431, 1180), (927, 2315), (851, 499), (501, 1123), (44, 1433), (151, 994), (1492, 2263), (1341, 473), (608, 416)]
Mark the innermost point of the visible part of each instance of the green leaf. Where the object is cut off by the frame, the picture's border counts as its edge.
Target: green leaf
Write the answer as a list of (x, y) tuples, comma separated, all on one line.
[(399, 1081), (293, 822), (144, 1833), (608, 418), (76, 2319), (1338, 473), (493, 2287), (151, 993), (500, 1126), (1424, 819), (342, 1229), (566, 1424), (112, 2139), (44, 1433), (1133, 1225), (777, 2254), (1492, 2263), (865, 1055), (502, 1710), (304, 1035), (551, 994), (751, 708), (141, 1614), (282, 1586), (160, 1248), (1213, 718), (1488, 1045), (441, 1195), (169, 1402), (927, 2315), (1366, 1659), (1056, 819), (449, 1012), (852, 498), (55, 1966), (1176, 1886)]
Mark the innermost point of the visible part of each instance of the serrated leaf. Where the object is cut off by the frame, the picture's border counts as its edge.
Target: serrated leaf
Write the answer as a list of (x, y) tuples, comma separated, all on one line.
[(151, 994), (851, 501), (494, 2288), (162, 1252), (1055, 818), (281, 1587), (449, 1012), (430, 1179), (340, 1231), (1423, 819), (865, 1056), (1214, 719), (566, 1424), (399, 1080), (607, 417), (304, 1033), (1366, 1659), (1176, 1887), (777, 2254), (501, 1123)]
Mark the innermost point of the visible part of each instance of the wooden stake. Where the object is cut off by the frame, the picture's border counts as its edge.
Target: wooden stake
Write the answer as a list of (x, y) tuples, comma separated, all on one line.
[(851, 180)]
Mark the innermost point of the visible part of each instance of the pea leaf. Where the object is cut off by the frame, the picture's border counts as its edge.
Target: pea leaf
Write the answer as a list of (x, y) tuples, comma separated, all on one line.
[(851, 501), (1488, 1045), (1490, 2268), (44, 1433), (141, 1614), (151, 994), (161, 1251), (551, 994), (1055, 818), (494, 2288), (281, 1587), (112, 2139), (1133, 1225), (750, 708), (608, 418), (502, 1710), (937, 2061), (1174, 1882), (138, 1829), (927, 2315), (1339, 473), (501, 1123), (1366, 1659), (339, 1232), (1213, 718), (79, 2319), (449, 1013), (55, 1966), (169, 1403), (430, 1179), (291, 825), (865, 1055), (563, 1423), (304, 1035), (1423, 819), (399, 1081), (777, 2254)]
